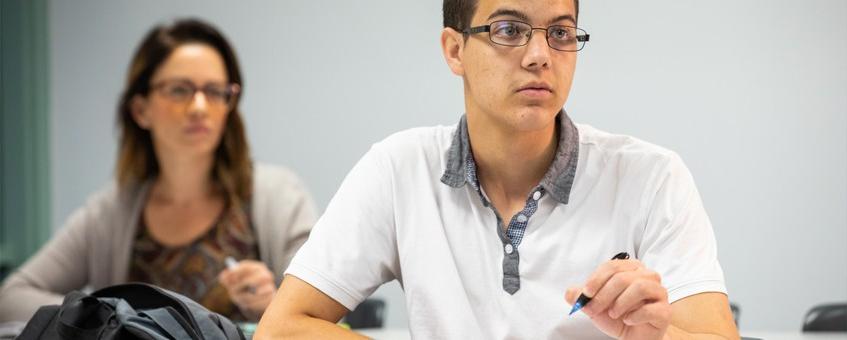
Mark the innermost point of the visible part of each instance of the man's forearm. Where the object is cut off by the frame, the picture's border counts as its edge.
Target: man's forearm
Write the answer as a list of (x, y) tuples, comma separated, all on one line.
[(306, 328), (675, 333)]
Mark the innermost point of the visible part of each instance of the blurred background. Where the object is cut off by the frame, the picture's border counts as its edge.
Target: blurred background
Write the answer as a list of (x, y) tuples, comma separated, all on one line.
[(752, 94)]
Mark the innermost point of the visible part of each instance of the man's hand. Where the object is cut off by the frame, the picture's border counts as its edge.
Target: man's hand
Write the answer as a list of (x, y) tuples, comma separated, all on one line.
[(628, 300), (250, 286)]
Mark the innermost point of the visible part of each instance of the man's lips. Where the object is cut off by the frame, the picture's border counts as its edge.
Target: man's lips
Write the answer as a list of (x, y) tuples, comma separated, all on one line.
[(535, 92), (535, 89)]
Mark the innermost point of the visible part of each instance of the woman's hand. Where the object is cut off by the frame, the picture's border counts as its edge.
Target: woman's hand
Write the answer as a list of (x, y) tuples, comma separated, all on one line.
[(250, 285)]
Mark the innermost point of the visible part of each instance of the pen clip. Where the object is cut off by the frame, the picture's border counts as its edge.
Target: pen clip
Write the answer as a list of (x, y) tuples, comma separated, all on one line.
[(621, 256)]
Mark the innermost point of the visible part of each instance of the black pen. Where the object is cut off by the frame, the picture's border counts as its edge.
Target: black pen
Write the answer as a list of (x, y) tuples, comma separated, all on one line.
[(583, 300)]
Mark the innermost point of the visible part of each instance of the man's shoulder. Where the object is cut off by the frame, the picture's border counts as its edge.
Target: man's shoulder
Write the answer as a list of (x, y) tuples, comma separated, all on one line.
[(417, 141), (630, 155), (619, 145)]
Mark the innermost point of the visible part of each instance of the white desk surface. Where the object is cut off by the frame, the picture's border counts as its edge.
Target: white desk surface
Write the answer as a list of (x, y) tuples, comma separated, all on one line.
[(403, 334), (764, 335), (385, 333)]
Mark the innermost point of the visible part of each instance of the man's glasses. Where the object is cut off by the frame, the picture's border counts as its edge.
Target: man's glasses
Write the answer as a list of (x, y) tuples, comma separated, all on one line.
[(516, 33), (182, 92)]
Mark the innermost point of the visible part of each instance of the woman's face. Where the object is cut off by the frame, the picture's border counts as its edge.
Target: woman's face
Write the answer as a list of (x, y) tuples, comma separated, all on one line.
[(188, 103)]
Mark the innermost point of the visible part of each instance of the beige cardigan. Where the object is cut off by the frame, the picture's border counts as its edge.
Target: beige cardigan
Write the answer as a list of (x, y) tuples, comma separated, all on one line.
[(93, 247)]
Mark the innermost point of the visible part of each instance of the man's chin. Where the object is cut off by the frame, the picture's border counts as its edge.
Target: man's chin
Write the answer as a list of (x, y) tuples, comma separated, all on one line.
[(534, 118)]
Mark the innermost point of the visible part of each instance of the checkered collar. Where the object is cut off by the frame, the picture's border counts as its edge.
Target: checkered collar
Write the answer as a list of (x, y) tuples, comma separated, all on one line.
[(557, 181)]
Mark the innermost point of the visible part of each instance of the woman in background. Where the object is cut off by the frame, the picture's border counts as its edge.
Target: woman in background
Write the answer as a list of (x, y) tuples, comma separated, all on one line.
[(186, 194)]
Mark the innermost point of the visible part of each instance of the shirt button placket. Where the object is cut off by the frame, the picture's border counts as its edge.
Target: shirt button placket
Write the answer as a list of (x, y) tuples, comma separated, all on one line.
[(511, 275)]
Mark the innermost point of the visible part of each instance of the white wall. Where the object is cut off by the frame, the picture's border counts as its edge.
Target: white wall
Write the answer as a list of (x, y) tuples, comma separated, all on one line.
[(752, 94)]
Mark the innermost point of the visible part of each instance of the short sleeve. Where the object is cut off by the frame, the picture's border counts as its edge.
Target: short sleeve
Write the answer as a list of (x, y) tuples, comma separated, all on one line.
[(678, 240), (352, 249)]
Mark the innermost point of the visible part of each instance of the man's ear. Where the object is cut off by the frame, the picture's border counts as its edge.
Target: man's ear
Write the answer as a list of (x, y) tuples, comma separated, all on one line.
[(452, 45), (138, 106)]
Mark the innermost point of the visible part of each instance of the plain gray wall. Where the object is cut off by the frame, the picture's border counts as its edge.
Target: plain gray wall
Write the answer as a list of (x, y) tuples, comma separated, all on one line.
[(752, 94)]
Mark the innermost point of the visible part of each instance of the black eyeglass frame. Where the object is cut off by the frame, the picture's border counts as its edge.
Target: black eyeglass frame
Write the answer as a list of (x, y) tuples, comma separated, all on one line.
[(231, 90), (487, 28)]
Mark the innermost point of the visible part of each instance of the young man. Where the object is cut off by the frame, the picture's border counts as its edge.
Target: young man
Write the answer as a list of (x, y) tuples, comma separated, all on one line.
[(495, 226)]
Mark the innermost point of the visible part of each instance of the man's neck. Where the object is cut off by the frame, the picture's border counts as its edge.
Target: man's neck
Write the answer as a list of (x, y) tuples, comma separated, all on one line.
[(510, 163)]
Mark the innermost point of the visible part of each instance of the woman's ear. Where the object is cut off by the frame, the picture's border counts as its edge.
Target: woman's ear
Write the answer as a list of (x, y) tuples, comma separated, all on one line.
[(452, 45), (138, 109)]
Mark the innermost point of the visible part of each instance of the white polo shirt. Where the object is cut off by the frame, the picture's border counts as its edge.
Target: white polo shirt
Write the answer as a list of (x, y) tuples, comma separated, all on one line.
[(410, 210)]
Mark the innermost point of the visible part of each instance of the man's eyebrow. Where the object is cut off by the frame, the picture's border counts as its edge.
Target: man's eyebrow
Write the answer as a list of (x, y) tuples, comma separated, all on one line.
[(565, 17), (509, 12), (522, 16)]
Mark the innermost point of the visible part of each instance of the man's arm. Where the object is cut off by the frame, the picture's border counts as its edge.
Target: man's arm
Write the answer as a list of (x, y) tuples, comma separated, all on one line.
[(702, 316), (300, 311)]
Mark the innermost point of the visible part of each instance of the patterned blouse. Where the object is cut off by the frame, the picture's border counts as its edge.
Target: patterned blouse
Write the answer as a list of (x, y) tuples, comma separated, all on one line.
[(192, 269)]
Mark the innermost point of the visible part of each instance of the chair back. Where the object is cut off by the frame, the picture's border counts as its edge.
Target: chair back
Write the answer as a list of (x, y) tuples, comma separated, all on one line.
[(826, 318), (736, 313), (368, 314)]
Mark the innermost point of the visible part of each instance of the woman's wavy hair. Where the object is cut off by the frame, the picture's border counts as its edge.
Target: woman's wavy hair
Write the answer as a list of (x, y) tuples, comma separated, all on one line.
[(137, 163)]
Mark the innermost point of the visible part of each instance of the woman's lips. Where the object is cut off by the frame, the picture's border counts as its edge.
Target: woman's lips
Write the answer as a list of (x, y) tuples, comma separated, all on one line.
[(196, 129)]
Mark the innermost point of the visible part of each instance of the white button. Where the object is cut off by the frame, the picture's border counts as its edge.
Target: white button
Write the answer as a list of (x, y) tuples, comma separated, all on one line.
[(536, 195), (521, 218), (509, 249)]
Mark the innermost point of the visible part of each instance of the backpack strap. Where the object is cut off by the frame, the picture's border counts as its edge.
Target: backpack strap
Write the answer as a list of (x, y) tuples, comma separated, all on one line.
[(42, 324), (83, 317), (144, 296), (164, 317), (193, 317), (231, 331)]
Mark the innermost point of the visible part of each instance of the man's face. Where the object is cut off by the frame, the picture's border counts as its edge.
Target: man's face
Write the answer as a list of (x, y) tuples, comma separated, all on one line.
[(520, 88)]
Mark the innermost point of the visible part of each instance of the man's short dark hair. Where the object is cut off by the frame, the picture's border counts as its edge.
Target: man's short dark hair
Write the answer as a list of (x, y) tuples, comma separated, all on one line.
[(458, 13)]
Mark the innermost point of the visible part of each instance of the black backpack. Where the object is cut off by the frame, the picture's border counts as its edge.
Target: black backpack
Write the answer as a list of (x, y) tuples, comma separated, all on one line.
[(129, 311)]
